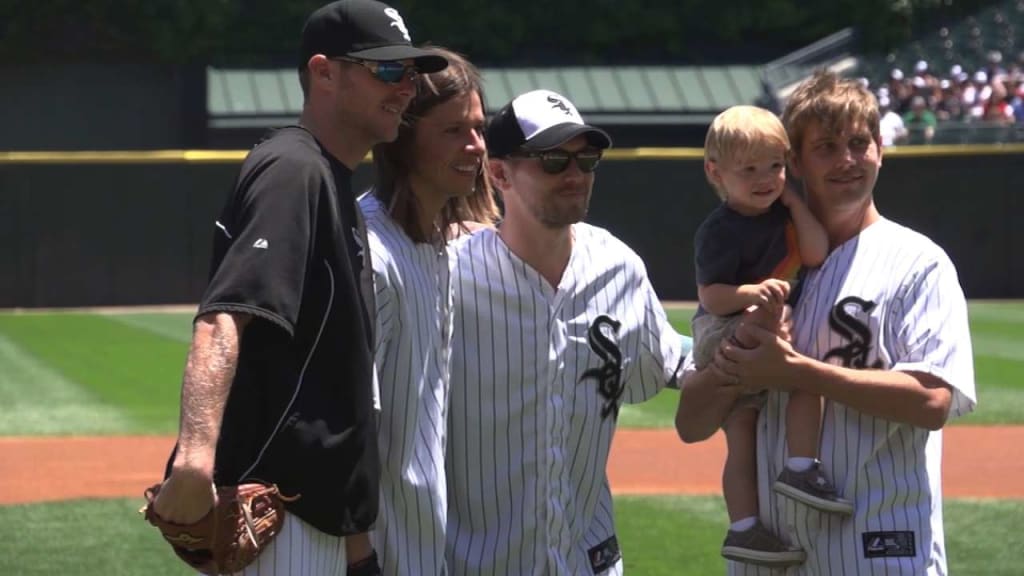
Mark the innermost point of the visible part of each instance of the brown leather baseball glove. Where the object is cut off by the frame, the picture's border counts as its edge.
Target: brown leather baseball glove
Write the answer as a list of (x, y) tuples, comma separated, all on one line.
[(244, 521)]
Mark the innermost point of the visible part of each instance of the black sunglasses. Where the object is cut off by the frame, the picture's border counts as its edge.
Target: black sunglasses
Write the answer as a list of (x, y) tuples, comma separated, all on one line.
[(557, 161), (388, 71)]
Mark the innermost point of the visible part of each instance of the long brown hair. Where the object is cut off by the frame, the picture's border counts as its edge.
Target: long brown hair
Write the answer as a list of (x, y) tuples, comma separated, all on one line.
[(393, 161)]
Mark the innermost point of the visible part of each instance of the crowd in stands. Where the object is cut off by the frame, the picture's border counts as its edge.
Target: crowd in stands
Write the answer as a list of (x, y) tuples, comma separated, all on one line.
[(913, 103)]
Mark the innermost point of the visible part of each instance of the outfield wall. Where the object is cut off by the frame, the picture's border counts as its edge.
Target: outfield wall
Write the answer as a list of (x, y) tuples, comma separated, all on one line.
[(135, 228)]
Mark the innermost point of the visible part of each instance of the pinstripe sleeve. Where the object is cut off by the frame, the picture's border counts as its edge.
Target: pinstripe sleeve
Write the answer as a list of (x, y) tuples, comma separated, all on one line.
[(932, 333), (661, 348), (384, 297)]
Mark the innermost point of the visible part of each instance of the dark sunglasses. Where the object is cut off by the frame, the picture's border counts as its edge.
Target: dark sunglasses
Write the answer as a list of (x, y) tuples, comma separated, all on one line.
[(388, 71), (557, 161)]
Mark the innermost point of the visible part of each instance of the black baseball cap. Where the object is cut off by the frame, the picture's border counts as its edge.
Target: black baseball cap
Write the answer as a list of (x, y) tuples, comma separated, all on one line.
[(363, 29), (536, 121)]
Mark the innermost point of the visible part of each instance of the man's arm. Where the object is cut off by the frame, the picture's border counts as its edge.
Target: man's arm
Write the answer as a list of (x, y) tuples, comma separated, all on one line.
[(706, 396), (704, 402), (915, 398), (188, 492)]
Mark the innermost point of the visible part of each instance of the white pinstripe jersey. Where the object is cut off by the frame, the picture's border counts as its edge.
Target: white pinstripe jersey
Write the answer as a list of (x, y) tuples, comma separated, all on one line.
[(538, 374), (890, 299), (413, 327)]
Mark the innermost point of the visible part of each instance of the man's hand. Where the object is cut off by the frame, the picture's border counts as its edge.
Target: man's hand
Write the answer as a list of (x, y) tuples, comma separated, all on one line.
[(764, 365), (185, 497)]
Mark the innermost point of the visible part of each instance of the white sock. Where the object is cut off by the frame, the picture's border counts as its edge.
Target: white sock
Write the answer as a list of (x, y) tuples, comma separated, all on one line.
[(799, 464), (743, 524)]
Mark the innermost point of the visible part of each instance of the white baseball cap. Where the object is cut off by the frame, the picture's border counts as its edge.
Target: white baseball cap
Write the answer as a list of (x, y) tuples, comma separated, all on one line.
[(539, 120)]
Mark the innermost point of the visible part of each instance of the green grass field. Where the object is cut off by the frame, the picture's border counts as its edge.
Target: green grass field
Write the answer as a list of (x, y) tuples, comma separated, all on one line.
[(78, 373), (660, 536)]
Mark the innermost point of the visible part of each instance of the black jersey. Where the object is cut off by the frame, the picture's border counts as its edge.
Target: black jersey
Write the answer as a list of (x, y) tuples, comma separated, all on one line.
[(289, 250)]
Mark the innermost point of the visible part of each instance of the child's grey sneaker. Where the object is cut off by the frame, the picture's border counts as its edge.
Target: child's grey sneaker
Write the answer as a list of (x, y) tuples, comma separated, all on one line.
[(813, 489), (759, 546)]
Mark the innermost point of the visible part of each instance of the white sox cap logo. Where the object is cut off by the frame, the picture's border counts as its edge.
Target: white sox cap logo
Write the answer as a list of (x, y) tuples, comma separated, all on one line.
[(398, 22), (541, 109), (560, 104)]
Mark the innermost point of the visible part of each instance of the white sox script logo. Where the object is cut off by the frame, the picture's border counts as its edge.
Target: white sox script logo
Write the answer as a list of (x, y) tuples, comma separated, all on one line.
[(856, 332), (398, 22), (609, 375)]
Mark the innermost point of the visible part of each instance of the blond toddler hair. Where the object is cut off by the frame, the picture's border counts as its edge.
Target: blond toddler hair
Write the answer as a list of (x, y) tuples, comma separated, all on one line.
[(740, 133)]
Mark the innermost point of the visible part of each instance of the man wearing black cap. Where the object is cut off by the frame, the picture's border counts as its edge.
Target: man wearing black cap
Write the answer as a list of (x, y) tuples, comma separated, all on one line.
[(279, 381), (556, 325)]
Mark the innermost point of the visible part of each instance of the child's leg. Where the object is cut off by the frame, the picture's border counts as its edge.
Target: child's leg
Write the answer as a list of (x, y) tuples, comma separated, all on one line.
[(802, 478), (803, 426), (739, 478), (748, 540)]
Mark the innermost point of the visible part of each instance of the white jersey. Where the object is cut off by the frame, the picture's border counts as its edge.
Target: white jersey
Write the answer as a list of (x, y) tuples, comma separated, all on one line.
[(413, 327), (538, 375), (890, 299)]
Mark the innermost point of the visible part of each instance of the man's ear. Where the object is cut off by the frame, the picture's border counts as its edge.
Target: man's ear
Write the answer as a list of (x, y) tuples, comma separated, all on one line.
[(793, 165), (499, 173), (319, 68)]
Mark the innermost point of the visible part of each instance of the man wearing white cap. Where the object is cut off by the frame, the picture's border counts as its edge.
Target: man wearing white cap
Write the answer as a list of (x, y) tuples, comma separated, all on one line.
[(556, 325)]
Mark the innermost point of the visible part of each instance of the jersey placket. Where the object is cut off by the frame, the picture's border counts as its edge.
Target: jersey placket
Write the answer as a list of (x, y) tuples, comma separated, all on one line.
[(445, 302), (558, 486)]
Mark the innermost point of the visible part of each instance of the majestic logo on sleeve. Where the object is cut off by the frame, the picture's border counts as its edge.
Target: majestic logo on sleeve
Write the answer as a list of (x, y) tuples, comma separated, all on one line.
[(854, 354), (609, 375)]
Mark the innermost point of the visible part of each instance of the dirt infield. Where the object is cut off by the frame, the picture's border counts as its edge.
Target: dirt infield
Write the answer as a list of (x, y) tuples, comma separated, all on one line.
[(981, 462)]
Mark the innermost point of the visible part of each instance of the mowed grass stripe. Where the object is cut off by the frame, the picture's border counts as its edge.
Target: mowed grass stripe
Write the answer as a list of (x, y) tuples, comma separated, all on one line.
[(129, 368), (659, 536), (134, 361), (996, 406), (83, 537), (37, 400), (173, 325), (1007, 311), (671, 535), (990, 344), (681, 535)]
